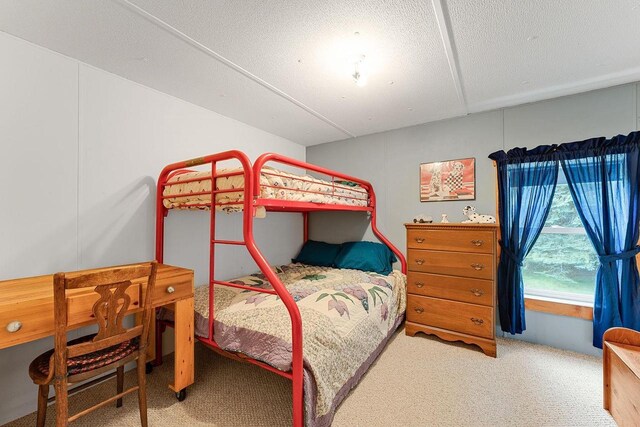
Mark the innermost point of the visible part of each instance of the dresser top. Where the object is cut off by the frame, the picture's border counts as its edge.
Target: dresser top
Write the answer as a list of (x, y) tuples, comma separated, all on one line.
[(450, 225)]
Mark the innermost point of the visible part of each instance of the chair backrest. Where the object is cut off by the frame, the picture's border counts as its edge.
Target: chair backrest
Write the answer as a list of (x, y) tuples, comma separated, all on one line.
[(109, 310)]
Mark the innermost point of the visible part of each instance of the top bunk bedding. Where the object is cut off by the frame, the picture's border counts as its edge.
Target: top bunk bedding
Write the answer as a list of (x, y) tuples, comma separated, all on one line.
[(192, 190)]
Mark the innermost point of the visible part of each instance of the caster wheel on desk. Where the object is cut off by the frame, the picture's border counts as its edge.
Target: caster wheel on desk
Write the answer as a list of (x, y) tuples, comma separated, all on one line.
[(181, 395), (148, 368)]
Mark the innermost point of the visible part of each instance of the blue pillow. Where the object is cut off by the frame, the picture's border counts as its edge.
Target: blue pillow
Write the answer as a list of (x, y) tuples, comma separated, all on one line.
[(366, 256), (318, 253)]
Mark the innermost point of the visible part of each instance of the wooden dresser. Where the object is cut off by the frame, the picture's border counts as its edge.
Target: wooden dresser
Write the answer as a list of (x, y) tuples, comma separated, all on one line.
[(451, 282)]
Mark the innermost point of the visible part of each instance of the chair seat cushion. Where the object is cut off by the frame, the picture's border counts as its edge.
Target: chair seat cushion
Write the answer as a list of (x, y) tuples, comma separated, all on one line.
[(87, 362)]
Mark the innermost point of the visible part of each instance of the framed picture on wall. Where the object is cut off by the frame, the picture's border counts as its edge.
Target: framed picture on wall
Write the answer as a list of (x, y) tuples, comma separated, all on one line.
[(449, 180)]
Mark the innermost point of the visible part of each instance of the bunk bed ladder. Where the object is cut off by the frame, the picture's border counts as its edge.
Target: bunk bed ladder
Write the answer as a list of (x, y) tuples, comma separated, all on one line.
[(296, 373), (212, 248)]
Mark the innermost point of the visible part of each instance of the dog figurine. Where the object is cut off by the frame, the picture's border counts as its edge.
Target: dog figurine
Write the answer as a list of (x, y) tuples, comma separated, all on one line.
[(470, 212)]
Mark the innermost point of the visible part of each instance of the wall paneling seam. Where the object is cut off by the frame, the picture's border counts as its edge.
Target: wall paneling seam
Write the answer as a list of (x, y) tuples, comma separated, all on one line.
[(386, 184), (78, 248), (503, 137), (637, 87)]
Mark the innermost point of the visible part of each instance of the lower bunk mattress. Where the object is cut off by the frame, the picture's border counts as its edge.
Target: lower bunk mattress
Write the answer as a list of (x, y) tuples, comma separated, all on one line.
[(347, 318)]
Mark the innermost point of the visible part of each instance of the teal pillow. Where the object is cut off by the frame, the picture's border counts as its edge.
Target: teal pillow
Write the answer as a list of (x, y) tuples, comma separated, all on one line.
[(366, 256), (318, 253)]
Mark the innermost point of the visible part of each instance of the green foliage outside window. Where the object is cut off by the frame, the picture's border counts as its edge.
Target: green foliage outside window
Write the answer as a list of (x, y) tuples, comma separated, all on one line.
[(562, 259)]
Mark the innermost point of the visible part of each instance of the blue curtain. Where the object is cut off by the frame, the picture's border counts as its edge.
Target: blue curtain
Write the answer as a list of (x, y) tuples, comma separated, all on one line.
[(604, 179), (526, 184)]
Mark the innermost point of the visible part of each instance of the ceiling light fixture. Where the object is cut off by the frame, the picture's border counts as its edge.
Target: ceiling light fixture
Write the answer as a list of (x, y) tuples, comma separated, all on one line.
[(358, 77), (354, 55)]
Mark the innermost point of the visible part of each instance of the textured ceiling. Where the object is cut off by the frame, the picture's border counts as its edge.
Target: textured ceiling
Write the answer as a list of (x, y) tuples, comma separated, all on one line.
[(512, 52), (282, 66)]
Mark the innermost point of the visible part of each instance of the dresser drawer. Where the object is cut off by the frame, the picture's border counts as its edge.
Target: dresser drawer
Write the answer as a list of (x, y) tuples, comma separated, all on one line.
[(462, 264), (476, 291), (455, 316), (474, 241)]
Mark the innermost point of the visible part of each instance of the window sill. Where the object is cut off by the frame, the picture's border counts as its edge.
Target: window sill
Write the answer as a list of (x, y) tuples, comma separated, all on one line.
[(582, 310)]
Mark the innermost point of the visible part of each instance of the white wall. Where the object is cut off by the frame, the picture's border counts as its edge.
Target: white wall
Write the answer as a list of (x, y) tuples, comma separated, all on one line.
[(390, 160), (81, 150)]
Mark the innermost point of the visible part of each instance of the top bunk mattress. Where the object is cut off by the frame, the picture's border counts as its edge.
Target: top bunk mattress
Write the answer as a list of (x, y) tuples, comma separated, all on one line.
[(191, 189)]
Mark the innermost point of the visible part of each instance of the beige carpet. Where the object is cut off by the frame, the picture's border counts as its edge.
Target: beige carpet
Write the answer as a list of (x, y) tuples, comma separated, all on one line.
[(417, 381)]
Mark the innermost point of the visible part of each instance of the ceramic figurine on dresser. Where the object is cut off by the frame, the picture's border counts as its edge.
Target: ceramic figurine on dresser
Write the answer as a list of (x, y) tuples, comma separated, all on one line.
[(474, 217), (451, 282)]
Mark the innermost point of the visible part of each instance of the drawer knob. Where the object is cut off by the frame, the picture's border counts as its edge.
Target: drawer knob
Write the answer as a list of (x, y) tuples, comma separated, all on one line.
[(477, 266), (477, 321), (419, 310), (477, 292), (419, 239), (419, 284), (477, 242), (14, 326), (419, 261), (170, 289)]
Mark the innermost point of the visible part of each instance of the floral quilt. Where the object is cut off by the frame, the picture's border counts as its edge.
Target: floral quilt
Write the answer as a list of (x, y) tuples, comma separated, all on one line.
[(274, 184), (346, 316)]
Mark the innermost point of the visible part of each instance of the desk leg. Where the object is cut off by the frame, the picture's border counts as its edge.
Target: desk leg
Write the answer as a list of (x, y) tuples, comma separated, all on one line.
[(184, 340)]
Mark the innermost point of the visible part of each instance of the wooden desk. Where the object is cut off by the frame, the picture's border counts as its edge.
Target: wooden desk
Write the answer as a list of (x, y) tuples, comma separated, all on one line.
[(29, 301)]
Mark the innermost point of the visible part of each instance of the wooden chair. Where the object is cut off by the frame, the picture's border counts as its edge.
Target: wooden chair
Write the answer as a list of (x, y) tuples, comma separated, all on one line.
[(111, 348)]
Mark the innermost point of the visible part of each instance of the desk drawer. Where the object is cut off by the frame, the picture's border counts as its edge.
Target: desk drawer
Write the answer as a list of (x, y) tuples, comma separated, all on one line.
[(455, 316), (173, 288), (464, 289), (479, 266), (474, 241), (36, 316)]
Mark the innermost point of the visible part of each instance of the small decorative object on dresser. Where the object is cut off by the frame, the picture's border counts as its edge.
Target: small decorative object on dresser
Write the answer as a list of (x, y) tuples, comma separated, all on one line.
[(470, 212), (423, 219), (451, 282), (445, 219)]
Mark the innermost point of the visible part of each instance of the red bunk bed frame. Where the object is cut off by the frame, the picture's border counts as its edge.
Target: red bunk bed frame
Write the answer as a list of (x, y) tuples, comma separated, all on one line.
[(251, 200)]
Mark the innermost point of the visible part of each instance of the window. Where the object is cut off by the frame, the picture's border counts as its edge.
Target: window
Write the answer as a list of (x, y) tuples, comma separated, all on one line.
[(562, 262)]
